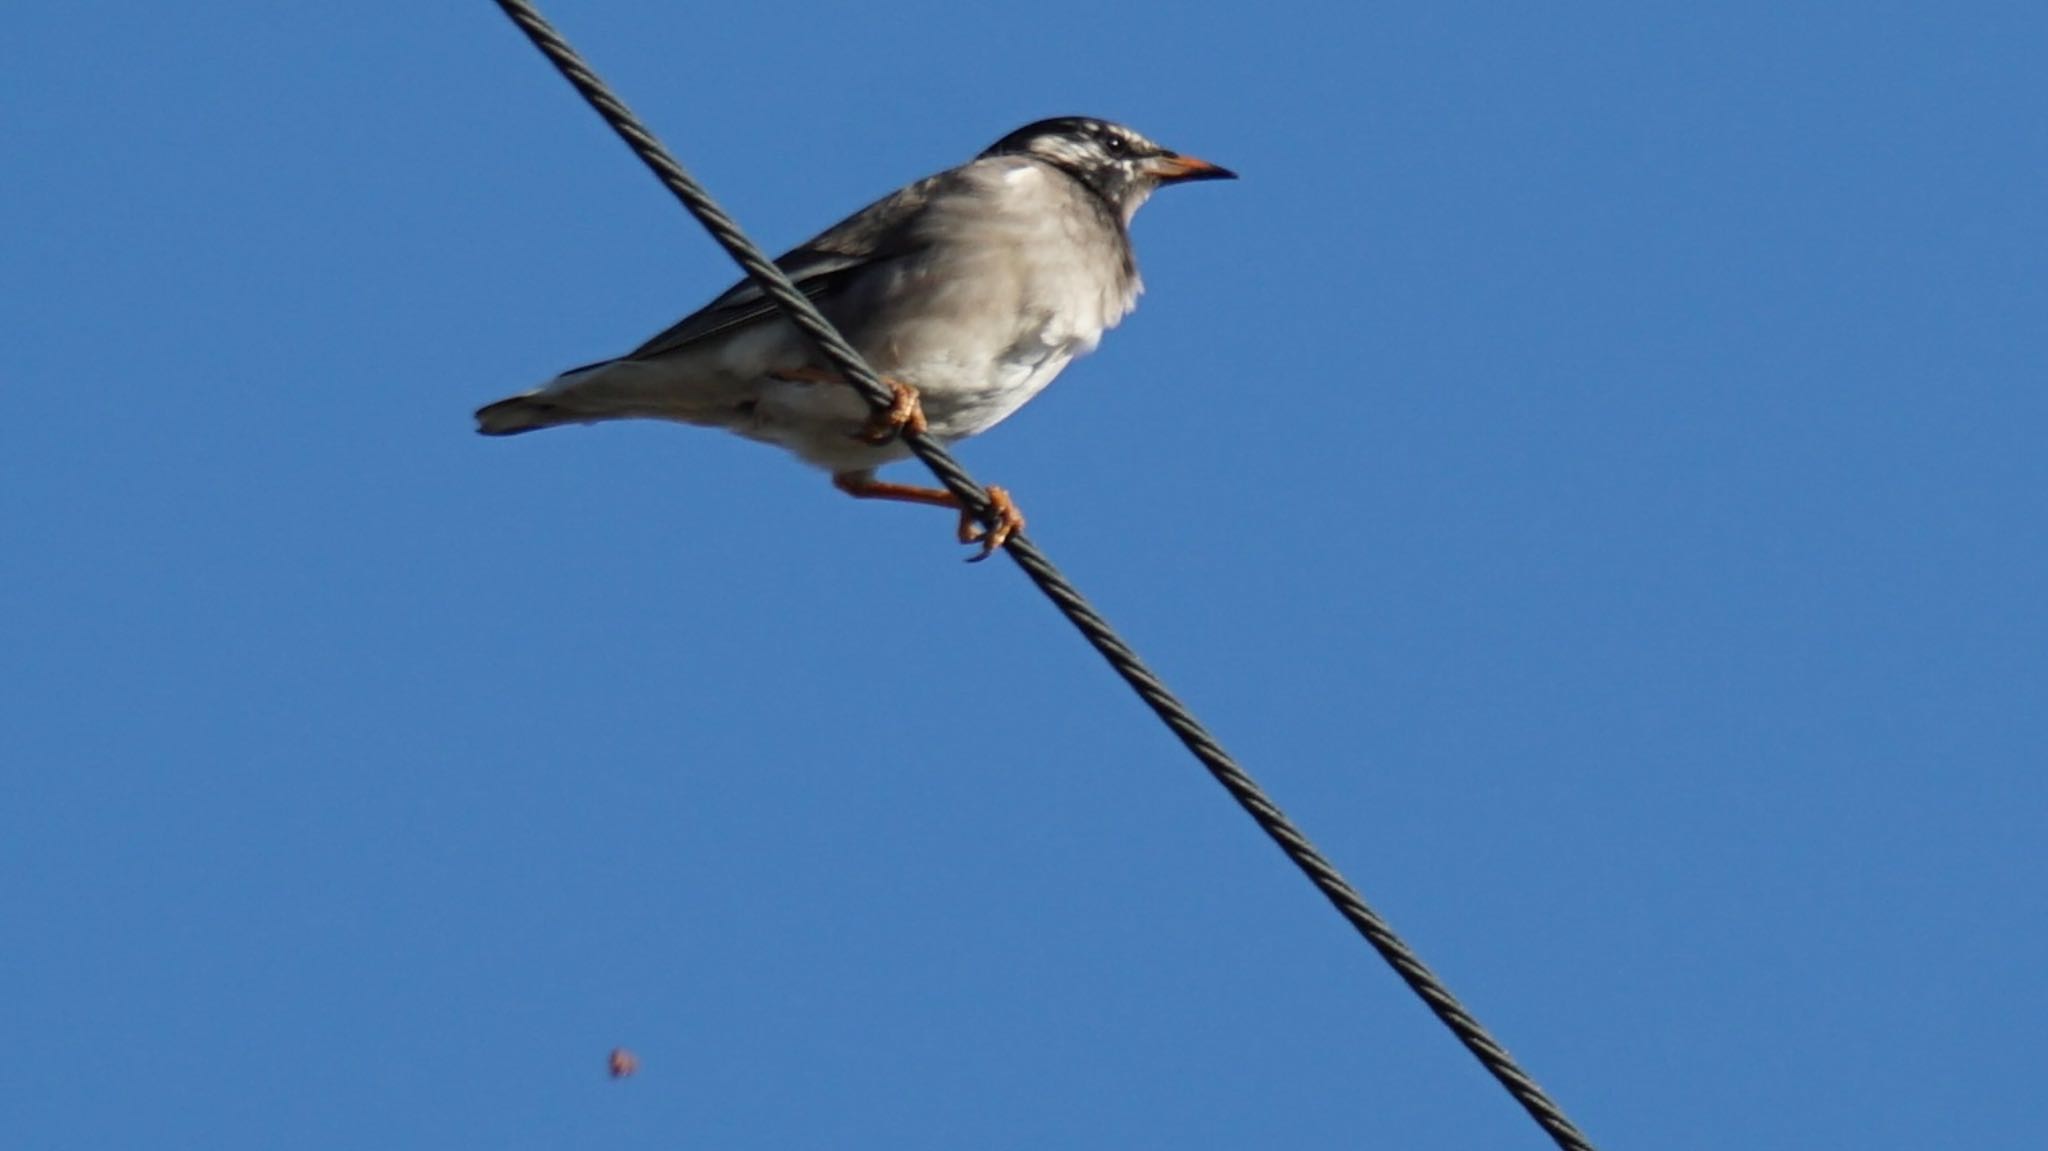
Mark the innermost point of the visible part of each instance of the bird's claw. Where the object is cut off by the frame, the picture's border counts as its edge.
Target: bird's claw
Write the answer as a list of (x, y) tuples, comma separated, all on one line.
[(1007, 521), (905, 414)]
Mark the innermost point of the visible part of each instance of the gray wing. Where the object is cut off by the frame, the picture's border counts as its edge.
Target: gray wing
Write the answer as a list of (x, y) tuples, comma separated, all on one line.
[(821, 269)]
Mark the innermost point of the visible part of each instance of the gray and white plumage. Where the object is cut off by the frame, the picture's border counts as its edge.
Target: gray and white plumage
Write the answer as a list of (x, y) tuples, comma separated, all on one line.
[(975, 287)]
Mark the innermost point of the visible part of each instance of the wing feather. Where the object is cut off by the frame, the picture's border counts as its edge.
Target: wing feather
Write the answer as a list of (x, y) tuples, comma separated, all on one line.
[(821, 269)]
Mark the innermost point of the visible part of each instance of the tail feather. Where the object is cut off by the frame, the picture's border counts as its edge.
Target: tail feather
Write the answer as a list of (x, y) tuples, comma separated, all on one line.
[(524, 413), (615, 390)]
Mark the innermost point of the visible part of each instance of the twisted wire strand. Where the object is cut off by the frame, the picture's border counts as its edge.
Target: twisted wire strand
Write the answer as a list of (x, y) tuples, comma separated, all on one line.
[(1203, 746)]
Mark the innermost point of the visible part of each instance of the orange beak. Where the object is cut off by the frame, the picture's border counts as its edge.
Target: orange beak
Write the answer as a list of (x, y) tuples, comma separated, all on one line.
[(1173, 167)]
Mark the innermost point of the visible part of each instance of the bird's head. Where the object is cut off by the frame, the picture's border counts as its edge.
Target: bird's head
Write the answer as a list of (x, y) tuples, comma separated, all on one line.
[(1123, 167)]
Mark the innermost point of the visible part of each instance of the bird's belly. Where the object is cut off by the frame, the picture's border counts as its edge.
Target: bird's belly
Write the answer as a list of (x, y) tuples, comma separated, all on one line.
[(963, 390), (821, 422), (966, 400)]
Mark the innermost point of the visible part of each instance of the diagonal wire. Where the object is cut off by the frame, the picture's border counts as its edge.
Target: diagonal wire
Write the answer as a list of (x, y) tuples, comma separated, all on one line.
[(1064, 595)]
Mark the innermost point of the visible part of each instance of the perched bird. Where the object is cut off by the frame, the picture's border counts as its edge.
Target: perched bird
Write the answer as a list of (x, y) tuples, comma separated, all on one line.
[(967, 292)]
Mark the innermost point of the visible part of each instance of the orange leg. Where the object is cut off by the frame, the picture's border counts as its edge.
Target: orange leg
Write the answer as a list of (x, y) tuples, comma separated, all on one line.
[(904, 413), (1008, 520)]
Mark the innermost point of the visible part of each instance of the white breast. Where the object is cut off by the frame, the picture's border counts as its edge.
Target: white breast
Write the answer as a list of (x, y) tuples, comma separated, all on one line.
[(1045, 263)]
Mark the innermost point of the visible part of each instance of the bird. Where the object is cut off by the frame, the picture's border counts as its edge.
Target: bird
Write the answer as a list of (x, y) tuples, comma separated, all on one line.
[(967, 291)]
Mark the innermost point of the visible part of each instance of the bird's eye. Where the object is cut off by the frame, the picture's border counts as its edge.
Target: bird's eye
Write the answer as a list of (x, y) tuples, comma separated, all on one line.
[(1116, 145)]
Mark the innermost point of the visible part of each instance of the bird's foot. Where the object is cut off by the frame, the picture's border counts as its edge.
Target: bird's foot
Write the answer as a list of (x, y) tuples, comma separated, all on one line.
[(1008, 522), (905, 413)]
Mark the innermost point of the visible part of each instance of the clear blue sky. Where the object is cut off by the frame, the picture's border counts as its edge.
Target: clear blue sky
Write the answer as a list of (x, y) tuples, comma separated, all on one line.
[(1591, 469)]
